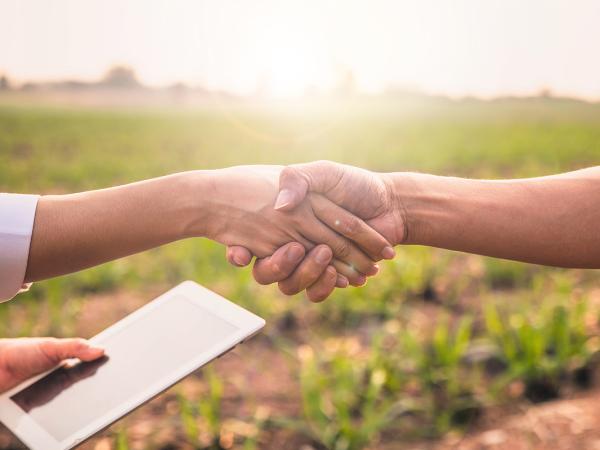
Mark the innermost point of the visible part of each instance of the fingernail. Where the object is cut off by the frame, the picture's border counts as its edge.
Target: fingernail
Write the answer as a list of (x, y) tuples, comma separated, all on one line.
[(294, 253), (93, 352), (342, 281), (361, 280), (238, 261), (388, 253), (284, 198), (374, 270), (323, 255), (371, 271)]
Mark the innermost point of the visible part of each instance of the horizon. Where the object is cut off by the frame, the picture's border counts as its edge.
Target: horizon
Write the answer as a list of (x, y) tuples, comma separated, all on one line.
[(99, 83)]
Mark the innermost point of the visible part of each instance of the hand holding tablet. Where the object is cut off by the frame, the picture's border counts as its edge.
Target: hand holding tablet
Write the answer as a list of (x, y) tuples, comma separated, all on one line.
[(23, 358), (146, 353)]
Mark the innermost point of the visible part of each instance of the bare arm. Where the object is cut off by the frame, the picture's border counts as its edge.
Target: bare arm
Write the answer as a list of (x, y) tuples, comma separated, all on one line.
[(77, 231), (233, 206), (550, 220)]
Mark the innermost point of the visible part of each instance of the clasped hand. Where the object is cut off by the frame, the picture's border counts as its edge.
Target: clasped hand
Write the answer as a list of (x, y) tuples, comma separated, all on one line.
[(311, 226)]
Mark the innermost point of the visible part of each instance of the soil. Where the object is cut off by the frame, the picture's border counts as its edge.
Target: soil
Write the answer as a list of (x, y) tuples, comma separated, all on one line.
[(567, 424), (260, 376)]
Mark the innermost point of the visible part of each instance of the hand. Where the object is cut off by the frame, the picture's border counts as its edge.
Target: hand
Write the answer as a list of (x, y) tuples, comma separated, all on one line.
[(366, 194), (21, 359), (370, 196), (294, 270), (241, 202)]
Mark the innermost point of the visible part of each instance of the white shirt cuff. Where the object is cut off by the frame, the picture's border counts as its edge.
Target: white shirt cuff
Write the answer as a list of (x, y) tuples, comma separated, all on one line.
[(17, 214)]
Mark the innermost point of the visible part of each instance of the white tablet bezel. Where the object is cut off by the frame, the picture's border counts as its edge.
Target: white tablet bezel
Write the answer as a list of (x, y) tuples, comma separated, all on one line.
[(36, 438)]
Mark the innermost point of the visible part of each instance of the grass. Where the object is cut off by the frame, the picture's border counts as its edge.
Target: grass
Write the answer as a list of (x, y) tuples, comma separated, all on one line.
[(402, 368)]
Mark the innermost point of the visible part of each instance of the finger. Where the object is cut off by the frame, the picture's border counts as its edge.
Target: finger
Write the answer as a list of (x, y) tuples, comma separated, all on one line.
[(343, 249), (354, 277), (292, 189), (280, 265), (323, 287), (238, 256), (308, 272), (342, 281), (57, 350), (352, 227), (295, 181)]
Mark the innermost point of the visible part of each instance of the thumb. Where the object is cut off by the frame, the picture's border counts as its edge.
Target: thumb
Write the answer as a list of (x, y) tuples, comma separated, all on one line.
[(293, 187), (239, 256), (57, 350), (295, 181)]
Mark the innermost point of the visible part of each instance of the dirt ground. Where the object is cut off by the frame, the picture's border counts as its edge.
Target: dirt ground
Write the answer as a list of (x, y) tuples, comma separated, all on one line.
[(558, 425), (261, 375)]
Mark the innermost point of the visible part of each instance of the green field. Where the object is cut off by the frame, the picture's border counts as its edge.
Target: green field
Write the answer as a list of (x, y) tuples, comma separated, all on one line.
[(426, 347)]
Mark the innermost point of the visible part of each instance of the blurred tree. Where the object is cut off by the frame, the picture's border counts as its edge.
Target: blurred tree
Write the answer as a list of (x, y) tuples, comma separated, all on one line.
[(4, 83), (121, 77), (545, 92)]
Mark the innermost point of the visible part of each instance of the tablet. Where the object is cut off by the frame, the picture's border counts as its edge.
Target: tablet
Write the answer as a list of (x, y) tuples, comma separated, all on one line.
[(146, 353)]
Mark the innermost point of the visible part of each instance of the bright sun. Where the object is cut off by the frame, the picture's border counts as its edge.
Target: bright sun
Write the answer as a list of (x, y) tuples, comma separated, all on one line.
[(291, 64), (289, 74)]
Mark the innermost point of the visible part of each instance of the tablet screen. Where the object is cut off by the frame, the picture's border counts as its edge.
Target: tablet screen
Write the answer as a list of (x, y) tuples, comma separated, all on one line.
[(147, 351)]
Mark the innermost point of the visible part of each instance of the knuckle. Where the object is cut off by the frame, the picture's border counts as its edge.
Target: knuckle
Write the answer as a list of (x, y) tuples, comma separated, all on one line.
[(288, 288), (352, 226), (48, 349), (315, 297), (342, 250), (287, 172), (322, 288), (78, 346), (317, 294), (78, 343), (309, 276), (269, 270), (259, 276), (47, 345), (278, 273), (324, 163), (262, 280)]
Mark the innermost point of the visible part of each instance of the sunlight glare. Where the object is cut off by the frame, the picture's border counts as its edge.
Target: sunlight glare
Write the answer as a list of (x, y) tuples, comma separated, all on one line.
[(292, 65)]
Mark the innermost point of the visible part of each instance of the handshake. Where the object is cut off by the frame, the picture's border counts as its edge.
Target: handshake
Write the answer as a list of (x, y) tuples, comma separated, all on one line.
[(312, 227)]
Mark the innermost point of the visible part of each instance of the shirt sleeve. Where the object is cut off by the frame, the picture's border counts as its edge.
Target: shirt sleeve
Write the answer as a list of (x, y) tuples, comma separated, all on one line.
[(17, 214)]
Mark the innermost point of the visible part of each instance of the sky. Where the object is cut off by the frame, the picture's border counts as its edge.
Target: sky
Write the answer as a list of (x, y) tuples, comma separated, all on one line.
[(482, 48)]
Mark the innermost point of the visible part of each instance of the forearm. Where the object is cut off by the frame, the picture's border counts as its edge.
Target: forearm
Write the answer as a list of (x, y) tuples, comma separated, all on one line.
[(77, 231), (548, 220)]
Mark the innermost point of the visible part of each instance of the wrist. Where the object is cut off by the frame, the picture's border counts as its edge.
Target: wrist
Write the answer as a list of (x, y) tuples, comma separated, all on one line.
[(196, 189), (435, 208), (414, 198)]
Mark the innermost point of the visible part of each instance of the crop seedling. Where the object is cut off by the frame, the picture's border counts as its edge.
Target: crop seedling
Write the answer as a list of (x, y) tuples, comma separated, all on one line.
[(540, 345), (344, 404), (448, 386), (206, 412), (121, 440)]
